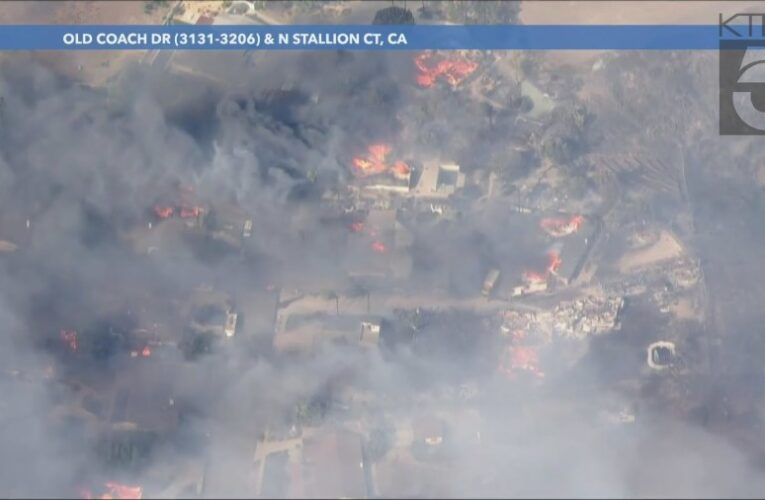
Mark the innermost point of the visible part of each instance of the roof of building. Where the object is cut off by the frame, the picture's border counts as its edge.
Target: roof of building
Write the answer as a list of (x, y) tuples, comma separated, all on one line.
[(439, 180)]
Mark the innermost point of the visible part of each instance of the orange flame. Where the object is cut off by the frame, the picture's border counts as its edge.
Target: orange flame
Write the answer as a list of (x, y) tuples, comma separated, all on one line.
[(558, 227), (122, 491), (534, 277), (453, 69), (357, 227), (69, 337), (374, 162), (191, 212), (400, 170), (367, 167), (163, 211), (379, 152), (554, 262), (379, 247), (116, 491), (521, 359), (146, 352)]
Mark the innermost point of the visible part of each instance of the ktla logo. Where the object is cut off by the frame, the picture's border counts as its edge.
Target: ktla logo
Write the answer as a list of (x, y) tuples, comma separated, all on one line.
[(742, 75)]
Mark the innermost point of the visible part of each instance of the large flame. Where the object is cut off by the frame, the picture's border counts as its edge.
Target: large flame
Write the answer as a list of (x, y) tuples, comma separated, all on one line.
[(378, 152), (400, 170), (69, 337), (557, 227), (374, 163), (554, 262), (453, 68)]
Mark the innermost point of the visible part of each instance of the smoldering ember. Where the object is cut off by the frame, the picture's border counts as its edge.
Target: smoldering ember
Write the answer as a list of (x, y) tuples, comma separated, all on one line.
[(348, 274)]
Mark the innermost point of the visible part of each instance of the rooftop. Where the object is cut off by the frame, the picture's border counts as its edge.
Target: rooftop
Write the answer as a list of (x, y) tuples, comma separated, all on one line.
[(439, 180)]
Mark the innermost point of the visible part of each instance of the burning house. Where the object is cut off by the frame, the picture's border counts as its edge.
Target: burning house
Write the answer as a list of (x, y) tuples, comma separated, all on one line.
[(166, 224), (185, 206), (375, 173), (568, 239)]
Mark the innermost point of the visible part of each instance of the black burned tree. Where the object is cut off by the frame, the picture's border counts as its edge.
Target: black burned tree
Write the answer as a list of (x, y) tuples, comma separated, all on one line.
[(394, 15)]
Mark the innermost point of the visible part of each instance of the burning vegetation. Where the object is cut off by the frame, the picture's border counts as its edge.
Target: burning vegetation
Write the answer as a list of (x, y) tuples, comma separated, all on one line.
[(558, 226), (453, 68)]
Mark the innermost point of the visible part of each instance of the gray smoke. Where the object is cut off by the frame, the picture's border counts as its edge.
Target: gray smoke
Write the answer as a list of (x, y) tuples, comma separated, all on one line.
[(84, 166)]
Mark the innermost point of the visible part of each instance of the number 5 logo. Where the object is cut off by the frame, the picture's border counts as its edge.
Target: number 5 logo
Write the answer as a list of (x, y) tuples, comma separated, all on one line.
[(751, 77)]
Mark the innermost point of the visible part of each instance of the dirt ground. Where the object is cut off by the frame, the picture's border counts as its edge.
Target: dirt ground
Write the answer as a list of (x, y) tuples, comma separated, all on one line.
[(626, 12), (90, 67), (684, 308), (667, 247)]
